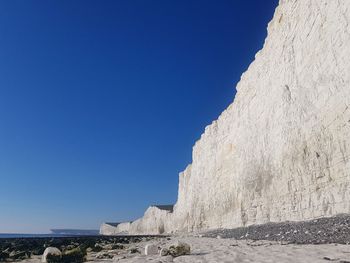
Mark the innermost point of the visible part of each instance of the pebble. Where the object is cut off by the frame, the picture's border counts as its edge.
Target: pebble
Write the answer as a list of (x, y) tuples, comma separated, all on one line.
[(321, 231)]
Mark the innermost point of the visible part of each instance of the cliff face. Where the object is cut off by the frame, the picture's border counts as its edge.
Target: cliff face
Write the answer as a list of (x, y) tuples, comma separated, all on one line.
[(155, 221), (281, 150), (109, 229)]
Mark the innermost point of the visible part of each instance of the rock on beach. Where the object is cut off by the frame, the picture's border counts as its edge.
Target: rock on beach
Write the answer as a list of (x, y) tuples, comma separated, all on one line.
[(51, 253)]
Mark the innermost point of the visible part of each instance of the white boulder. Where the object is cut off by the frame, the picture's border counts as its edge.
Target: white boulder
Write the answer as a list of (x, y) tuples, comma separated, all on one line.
[(151, 249), (51, 252)]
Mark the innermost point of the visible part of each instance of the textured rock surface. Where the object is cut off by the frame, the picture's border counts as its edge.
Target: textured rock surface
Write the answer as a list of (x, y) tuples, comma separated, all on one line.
[(281, 150)]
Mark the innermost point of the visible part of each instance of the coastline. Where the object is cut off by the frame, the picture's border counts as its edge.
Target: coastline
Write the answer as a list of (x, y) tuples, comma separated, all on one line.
[(316, 240)]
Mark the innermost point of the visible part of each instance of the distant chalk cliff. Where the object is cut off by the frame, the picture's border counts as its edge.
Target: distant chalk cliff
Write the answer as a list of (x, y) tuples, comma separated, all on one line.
[(281, 150)]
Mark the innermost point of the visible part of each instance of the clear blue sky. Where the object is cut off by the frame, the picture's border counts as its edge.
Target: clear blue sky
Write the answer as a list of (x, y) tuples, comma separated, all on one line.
[(102, 101)]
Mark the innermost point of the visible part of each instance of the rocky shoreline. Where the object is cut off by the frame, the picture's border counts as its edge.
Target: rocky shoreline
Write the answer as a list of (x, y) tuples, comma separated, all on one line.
[(331, 235), (16, 249)]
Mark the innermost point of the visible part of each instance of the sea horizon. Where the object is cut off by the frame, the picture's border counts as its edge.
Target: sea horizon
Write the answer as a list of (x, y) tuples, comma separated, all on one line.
[(20, 235)]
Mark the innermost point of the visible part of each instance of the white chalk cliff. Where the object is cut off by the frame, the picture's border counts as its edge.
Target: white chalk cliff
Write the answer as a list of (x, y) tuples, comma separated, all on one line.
[(281, 150)]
